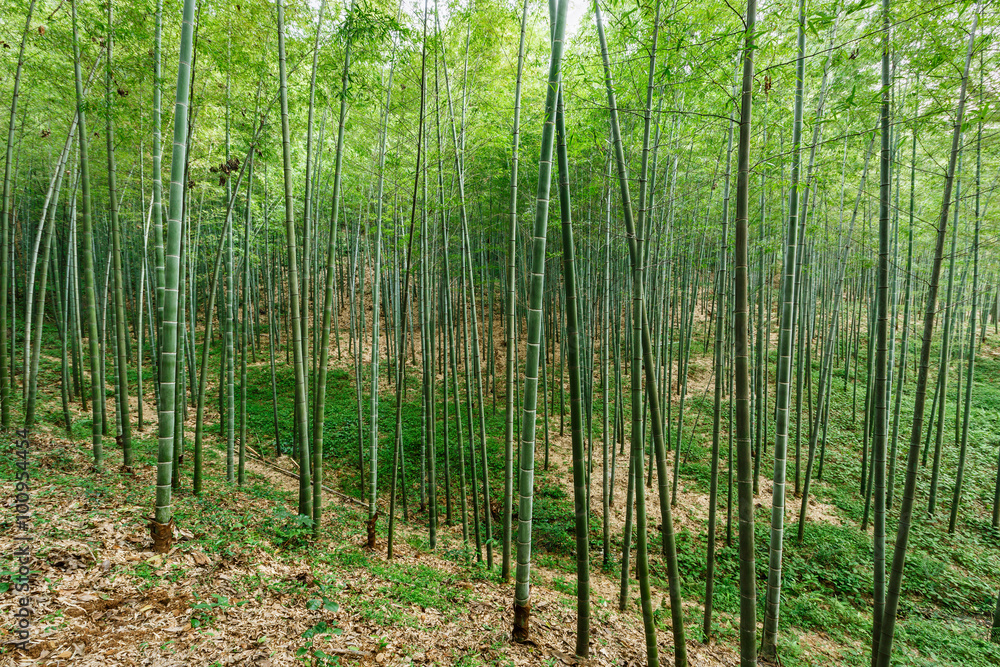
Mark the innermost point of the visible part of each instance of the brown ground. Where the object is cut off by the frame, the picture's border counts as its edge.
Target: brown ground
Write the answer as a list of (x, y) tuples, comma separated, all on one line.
[(109, 618), (86, 574)]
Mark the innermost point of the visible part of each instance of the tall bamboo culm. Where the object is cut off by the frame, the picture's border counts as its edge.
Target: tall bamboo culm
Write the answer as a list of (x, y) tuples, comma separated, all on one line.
[(162, 524)]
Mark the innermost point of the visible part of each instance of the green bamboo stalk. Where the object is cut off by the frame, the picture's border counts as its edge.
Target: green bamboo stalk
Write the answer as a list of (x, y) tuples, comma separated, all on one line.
[(32, 367), (474, 333), (904, 344), (970, 368), (141, 328), (427, 334), (272, 333), (88, 263), (319, 409), (301, 415), (209, 324), (882, 366), (721, 285), (452, 362), (33, 345), (607, 474), (580, 498), (888, 627), (227, 377), (443, 361), (946, 339), (307, 218), (643, 340), (748, 593), (790, 278), (158, 241), (50, 203), (404, 304), (522, 604), (826, 368), (7, 211), (510, 324), (180, 407), (464, 355), (241, 470), (63, 325), (450, 356), (121, 368), (162, 524), (647, 181), (376, 303), (357, 327)]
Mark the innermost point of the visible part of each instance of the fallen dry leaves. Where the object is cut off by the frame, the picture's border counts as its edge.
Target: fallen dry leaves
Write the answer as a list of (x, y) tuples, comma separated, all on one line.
[(92, 607)]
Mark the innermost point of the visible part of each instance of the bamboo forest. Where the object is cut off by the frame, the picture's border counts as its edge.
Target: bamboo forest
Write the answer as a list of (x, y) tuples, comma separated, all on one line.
[(500, 332)]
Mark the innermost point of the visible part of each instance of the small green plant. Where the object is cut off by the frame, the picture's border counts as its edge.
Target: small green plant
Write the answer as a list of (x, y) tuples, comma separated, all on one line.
[(5, 580), (308, 652), (291, 528), (322, 602), (205, 612), (146, 572), (312, 655), (564, 586)]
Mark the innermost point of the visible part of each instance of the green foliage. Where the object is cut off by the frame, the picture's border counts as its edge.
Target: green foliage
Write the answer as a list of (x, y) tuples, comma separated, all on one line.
[(291, 528), (205, 612), (323, 602), (950, 580), (313, 655)]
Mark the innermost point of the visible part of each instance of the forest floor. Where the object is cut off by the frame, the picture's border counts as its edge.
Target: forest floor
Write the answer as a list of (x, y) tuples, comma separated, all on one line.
[(245, 585)]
